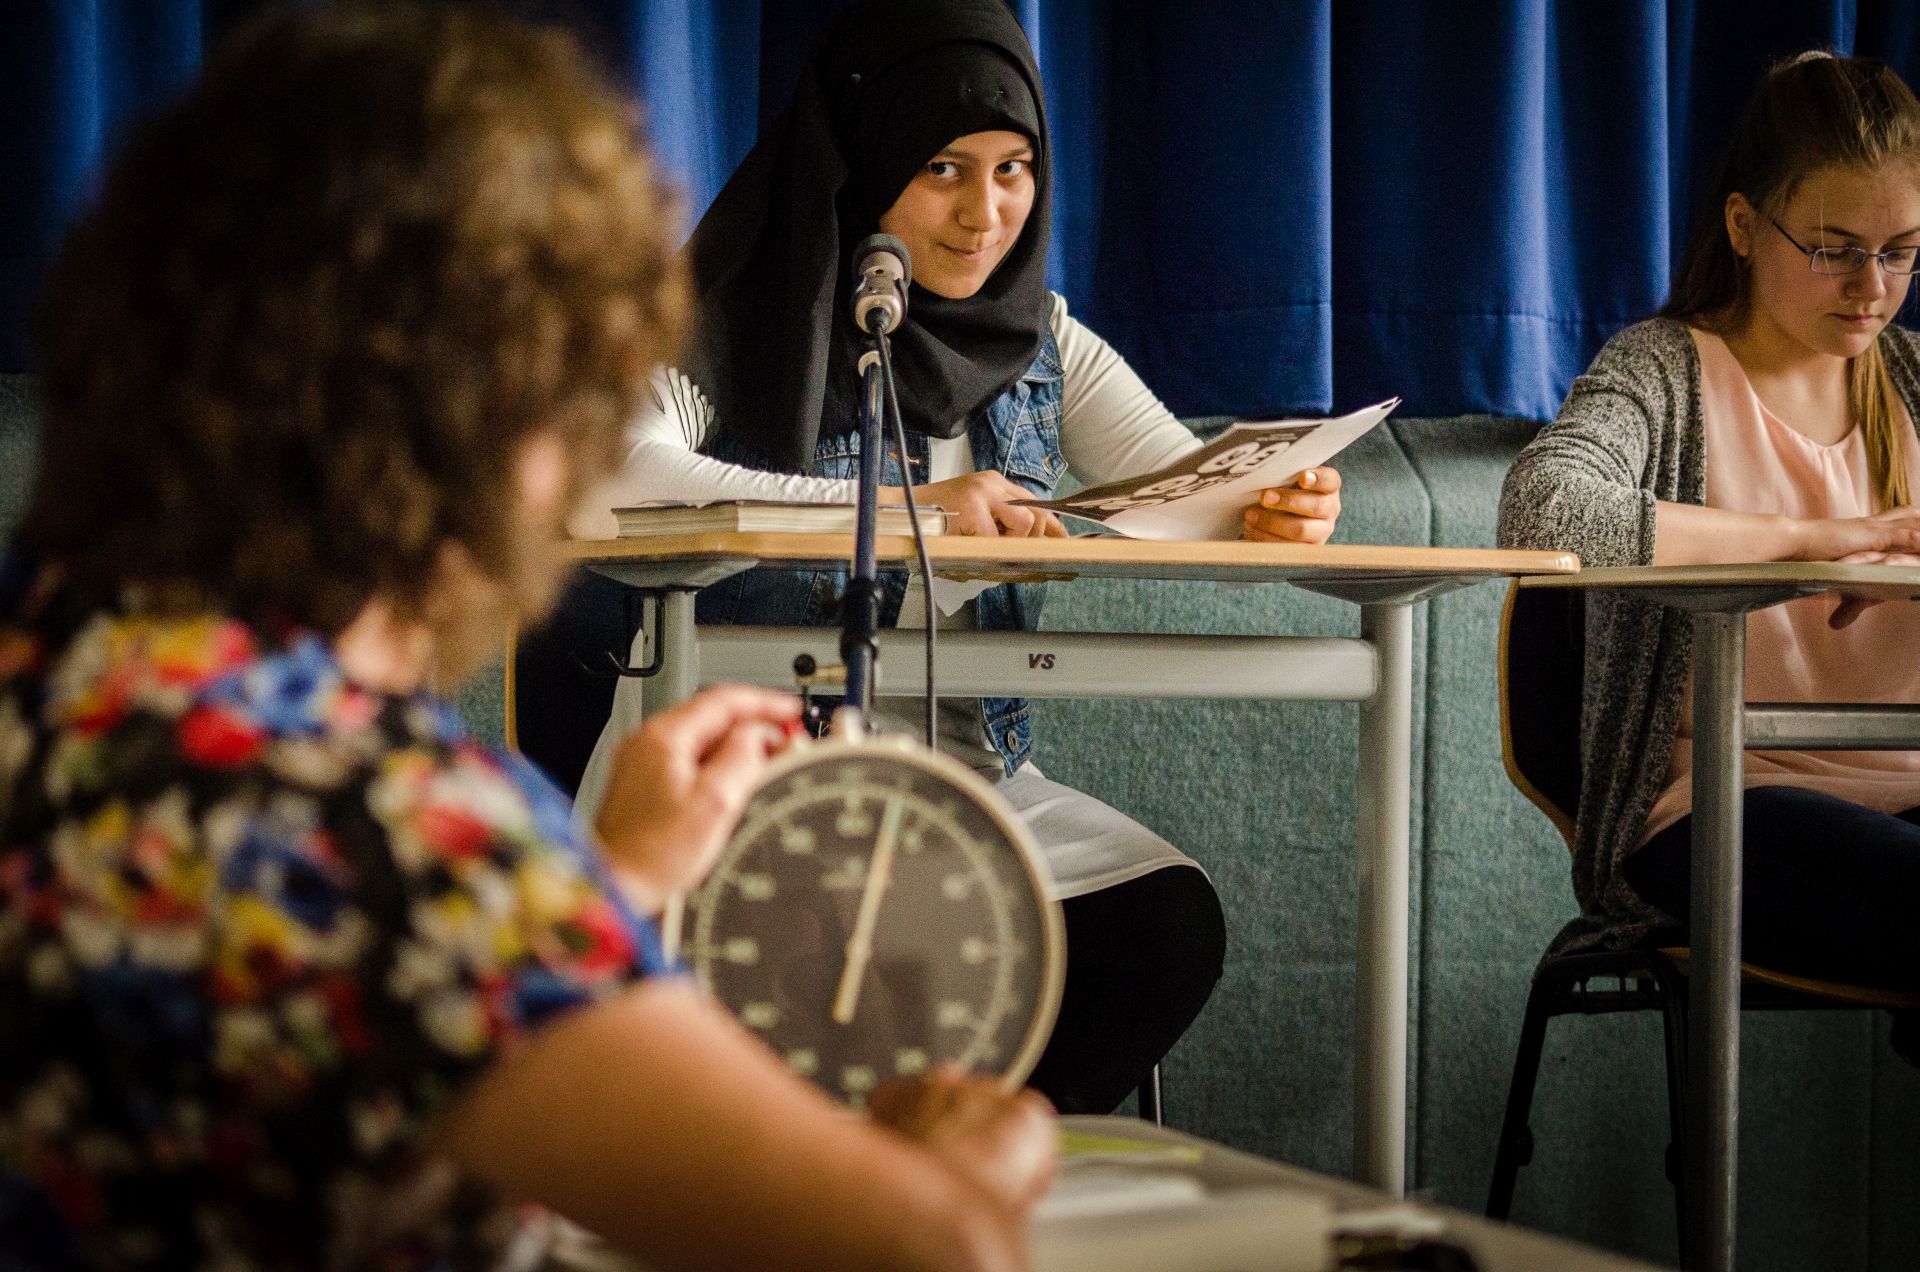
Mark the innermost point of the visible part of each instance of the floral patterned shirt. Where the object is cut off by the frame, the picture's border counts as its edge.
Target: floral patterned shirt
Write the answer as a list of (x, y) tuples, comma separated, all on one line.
[(257, 925)]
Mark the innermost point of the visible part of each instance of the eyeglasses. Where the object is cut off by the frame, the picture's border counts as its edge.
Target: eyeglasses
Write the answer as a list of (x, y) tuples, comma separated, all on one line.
[(1851, 260)]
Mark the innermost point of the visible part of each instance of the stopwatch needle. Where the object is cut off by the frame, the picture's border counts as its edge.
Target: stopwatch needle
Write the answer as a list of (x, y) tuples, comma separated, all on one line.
[(860, 944)]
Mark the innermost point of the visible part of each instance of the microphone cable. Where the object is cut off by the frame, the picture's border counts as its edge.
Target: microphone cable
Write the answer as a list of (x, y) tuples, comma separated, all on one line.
[(913, 515)]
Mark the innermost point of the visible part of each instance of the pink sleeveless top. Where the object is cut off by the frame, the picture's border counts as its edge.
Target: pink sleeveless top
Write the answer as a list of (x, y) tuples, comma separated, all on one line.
[(1756, 463)]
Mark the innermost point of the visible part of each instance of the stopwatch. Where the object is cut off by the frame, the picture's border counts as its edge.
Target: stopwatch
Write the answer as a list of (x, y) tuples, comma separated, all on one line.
[(878, 911)]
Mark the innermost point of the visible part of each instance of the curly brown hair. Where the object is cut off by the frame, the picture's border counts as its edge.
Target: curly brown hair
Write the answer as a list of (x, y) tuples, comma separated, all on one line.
[(293, 351)]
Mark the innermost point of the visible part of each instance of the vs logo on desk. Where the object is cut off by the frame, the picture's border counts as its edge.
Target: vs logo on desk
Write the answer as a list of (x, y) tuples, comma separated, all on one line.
[(1039, 662)]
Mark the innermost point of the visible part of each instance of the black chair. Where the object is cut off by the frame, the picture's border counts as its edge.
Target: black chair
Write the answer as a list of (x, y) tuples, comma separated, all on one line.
[(567, 668), (1542, 667)]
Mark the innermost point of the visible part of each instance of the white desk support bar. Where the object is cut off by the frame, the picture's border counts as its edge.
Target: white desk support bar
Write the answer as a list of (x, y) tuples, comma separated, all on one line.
[(975, 664), (1787, 726)]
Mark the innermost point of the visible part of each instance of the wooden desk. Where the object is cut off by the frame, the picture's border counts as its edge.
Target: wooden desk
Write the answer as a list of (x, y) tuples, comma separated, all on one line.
[(1497, 1247), (1724, 726), (1376, 670)]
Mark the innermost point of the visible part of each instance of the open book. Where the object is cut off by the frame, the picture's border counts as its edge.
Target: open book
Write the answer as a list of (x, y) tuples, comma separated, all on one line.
[(1204, 495), (754, 515)]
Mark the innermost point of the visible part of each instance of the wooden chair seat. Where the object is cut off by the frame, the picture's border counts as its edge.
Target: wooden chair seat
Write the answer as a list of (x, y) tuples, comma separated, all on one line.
[(1840, 992)]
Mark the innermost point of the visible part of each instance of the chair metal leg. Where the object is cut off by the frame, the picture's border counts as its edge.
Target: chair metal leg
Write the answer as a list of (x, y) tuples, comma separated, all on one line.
[(1149, 1097), (1516, 1137), (1673, 1021)]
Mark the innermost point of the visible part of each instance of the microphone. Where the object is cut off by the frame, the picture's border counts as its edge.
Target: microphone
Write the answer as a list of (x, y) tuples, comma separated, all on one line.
[(881, 271)]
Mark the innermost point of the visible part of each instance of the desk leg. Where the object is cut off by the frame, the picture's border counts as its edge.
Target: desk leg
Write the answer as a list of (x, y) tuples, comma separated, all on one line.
[(1384, 813), (674, 683), (1713, 1048), (679, 673)]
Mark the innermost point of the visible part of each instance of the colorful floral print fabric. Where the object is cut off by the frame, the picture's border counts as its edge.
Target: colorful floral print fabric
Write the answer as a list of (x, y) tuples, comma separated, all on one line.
[(257, 925)]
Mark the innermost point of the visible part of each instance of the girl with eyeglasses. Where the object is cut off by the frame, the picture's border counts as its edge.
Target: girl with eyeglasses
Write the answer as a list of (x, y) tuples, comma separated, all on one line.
[(1767, 413)]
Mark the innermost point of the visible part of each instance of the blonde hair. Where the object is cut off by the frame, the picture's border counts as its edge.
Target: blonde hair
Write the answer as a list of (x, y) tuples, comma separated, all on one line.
[(1812, 111)]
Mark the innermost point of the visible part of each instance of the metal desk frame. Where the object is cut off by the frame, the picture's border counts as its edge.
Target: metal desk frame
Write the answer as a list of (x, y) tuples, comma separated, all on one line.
[(1375, 670), (1725, 726)]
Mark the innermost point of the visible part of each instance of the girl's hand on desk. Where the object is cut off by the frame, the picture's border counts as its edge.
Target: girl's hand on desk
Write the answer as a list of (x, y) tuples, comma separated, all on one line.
[(1305, 512), (979, 503), (1002, 1142), (681, 781), (1852, 607), (1846, 538)]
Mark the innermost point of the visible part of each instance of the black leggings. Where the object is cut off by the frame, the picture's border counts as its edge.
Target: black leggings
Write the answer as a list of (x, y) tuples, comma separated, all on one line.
[(1142, 959), (1828, 887)]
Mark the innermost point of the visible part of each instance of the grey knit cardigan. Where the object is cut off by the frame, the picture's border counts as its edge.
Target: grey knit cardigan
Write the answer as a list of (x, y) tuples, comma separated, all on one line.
[(1630, 433)]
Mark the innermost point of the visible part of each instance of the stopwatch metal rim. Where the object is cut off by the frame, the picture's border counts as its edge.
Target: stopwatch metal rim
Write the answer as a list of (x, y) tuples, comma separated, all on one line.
[(808, 753)]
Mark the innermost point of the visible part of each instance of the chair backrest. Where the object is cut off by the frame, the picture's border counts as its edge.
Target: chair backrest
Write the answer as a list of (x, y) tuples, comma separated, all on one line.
[(1543, 647), (555, 708)]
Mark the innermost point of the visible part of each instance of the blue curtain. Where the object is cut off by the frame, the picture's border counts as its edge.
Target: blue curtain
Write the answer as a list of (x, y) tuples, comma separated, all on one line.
[(1266, 205)]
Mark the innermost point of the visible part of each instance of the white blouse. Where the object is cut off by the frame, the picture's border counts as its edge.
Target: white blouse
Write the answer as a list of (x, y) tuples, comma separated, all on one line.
[(1111, 426)]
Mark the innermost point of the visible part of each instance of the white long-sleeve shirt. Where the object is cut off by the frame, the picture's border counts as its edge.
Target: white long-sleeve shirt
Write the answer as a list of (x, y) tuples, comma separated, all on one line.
[(1111, 426)]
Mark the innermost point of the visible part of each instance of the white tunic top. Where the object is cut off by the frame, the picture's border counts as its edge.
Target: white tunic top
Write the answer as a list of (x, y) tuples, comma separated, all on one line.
[(1111, 426)]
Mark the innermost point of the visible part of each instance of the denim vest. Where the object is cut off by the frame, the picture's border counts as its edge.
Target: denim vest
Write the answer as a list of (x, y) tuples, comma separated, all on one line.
[(1018, 434)]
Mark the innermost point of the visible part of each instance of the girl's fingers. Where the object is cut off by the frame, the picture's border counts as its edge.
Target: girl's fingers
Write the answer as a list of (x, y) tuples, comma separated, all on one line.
[(695, 725), (1017, 520), (1324, 480), (1850, 608), (1301, 503), (1263, 525)]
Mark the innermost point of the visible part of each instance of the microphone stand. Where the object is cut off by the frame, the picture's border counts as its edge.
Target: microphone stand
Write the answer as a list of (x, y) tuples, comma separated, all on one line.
[(859, 614)]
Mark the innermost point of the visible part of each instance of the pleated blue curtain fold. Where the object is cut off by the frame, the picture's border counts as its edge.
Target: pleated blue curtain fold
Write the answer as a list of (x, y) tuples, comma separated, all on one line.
[(1194, 224), (74, 77), (1500, 204), (1280, 206)]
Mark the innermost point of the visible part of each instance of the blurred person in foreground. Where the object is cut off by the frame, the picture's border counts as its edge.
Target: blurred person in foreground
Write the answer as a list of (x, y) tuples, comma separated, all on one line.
[(292, 972)]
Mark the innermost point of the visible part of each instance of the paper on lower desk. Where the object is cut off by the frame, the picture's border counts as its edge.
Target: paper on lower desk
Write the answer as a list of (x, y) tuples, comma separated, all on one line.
[(1204, 495), (951, 594), (1079, 1148), (1271, 1229)]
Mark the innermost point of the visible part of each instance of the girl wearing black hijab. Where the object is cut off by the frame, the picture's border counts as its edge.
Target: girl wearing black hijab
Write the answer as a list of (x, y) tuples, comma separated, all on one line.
[(924, 119)]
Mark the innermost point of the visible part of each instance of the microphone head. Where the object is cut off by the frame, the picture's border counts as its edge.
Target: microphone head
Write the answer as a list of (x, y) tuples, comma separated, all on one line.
[(882, 243), (881, 270)]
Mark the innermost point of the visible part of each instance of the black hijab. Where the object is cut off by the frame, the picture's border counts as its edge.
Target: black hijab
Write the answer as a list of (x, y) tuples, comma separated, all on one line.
[(774, 348)]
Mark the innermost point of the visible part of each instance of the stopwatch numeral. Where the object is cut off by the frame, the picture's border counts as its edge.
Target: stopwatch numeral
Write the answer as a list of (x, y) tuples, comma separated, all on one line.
[(803, 1061), (957, 887), (743, 950), (954, 1014), (910, 1060), (796, 840), (858, 1078), (759, 1015), (849, 876), (755, 887)]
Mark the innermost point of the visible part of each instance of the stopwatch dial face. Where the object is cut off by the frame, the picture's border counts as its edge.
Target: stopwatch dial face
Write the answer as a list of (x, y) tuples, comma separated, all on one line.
[(870, 919)]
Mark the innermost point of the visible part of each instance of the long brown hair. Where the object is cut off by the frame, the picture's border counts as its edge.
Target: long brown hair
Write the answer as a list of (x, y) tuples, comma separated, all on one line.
[(292, 351), (1810, 112)]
